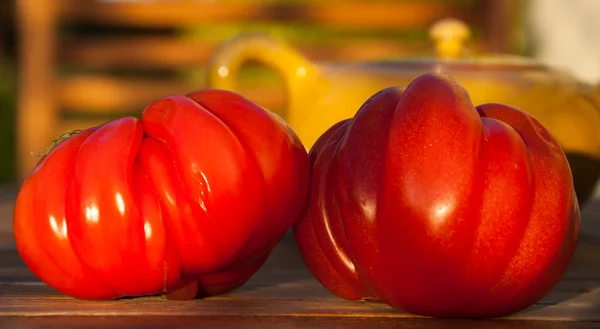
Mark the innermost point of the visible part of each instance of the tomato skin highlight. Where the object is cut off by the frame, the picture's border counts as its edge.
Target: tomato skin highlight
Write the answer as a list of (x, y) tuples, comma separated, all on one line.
[(437, 207), (188, 201)]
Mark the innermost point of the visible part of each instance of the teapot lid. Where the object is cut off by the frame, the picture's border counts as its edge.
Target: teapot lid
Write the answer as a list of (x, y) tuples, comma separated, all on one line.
[(449, 36)]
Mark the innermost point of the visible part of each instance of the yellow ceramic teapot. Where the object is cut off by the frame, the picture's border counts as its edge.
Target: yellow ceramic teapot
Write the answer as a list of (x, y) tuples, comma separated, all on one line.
[(320, 95)]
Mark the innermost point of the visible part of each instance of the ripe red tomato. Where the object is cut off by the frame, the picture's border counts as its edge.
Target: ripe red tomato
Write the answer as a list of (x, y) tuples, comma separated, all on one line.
[(188, 200), (439, 208)]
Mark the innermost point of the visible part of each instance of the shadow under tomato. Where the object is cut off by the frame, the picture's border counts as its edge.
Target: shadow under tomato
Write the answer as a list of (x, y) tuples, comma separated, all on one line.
[(585, 171)]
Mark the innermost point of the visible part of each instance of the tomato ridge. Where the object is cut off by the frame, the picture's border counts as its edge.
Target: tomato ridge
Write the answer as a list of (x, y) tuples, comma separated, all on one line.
[(73, 198), (29, 242), (248, 152), (247, 261), (360, 174), (305, 234), (326, 208), (472, 298)]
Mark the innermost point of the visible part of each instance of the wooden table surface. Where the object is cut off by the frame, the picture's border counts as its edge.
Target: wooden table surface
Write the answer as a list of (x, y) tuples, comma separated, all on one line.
[(282, 294)]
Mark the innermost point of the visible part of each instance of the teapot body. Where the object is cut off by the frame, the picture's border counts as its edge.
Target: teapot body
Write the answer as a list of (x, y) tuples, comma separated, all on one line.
[(568, 109)]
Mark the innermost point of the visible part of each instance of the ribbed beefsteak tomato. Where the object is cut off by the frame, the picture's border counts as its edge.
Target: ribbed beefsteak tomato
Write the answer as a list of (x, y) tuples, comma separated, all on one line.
[(188, 200), (437, 207)]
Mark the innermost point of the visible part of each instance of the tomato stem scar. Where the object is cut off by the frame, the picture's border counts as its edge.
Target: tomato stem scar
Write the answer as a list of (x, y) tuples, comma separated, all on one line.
[(64, 136)]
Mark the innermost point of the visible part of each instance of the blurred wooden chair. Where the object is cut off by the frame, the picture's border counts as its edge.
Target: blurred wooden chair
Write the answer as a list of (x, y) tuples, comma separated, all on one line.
[(78, 68)]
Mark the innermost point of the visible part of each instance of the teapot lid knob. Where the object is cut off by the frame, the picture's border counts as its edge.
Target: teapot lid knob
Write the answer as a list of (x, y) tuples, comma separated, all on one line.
[(449, 36)]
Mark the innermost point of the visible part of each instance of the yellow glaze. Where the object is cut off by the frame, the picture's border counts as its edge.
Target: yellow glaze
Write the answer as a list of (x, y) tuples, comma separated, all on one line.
[(322, 94)]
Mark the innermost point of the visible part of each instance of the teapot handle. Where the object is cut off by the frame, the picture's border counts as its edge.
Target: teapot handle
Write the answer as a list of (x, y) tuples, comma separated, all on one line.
[(230, 56)]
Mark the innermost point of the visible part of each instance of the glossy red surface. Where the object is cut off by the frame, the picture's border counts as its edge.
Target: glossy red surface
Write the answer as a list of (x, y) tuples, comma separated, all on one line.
[(188, 200), (439, 208)]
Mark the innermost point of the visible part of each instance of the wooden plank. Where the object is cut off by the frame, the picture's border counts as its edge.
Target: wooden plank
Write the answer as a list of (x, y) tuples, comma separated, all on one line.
[(176, 53), (145, 306), (584, 307), (30, 288), (383, 15), (260, 322), (291, 299), (103, 93), (106, 94), (371, 15), (36, 111), (152, 52)]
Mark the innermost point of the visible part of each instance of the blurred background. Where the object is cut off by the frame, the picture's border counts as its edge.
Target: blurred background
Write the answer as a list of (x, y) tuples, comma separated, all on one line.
[(68, 64)]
